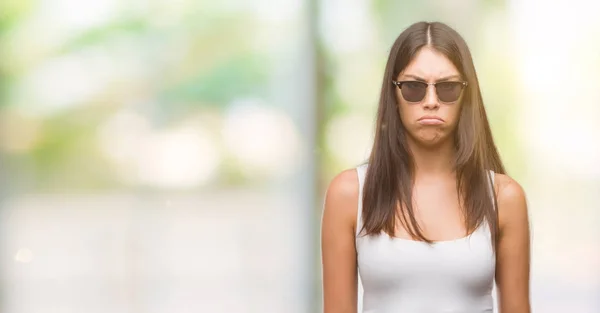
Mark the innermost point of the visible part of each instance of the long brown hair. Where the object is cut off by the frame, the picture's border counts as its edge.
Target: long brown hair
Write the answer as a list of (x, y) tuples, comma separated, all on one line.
[(389, 179)]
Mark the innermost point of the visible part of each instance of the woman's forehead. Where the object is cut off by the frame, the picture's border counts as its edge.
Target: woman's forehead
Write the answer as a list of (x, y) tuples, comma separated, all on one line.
[(429, 63)]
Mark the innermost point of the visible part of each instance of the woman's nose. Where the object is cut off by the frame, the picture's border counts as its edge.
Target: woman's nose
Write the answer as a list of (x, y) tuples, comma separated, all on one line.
[(431, 100)]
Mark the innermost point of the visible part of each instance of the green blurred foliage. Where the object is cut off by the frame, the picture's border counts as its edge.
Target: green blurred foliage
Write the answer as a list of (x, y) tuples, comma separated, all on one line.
[(11, 11), (224, 82), (215, 62), (67, 156)]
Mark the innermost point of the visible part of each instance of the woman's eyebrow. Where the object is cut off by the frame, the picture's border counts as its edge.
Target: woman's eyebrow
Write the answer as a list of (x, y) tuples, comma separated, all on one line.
[(445, 78), (415, 77), (448, 78)]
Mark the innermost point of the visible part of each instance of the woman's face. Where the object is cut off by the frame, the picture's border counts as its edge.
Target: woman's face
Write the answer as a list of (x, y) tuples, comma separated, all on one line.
[(428, 119)]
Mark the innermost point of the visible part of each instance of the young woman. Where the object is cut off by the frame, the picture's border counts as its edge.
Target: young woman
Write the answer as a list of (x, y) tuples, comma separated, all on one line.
[(431, 221)]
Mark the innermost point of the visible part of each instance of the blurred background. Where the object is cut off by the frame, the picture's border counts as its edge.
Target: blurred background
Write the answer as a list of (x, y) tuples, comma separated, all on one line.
[(161, 156)]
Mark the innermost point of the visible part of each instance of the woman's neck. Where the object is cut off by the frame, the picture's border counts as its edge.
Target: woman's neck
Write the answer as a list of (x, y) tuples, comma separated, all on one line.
[(434, 160)]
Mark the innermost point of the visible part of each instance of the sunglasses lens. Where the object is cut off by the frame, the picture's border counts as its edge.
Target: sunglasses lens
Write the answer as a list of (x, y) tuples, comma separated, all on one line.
[(413, 91), (448, 91)]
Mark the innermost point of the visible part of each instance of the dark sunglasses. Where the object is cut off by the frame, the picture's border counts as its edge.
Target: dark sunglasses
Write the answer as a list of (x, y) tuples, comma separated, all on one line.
[(415, 91)]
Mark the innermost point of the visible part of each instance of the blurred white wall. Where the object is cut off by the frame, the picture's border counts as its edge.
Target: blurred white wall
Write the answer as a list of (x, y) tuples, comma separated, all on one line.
[(556, 45)]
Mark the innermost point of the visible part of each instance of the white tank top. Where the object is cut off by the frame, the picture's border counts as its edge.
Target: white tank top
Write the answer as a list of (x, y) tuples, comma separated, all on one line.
[(405, 276)]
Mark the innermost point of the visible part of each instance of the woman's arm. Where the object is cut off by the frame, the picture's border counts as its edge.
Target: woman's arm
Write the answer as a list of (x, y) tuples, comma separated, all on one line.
[(338, 249), (513, 253)]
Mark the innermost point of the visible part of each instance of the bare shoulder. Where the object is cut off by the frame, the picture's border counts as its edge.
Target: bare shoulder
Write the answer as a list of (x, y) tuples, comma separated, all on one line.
[(512, 202), (341, 199), (513, 250), (338, 243), (344, 184), (508, 189)]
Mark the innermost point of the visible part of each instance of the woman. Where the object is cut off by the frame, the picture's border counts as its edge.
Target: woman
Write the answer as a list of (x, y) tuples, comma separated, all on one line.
[(431, 220)]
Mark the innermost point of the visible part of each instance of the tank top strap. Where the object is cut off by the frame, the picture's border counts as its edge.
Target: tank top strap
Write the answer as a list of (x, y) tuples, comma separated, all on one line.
[(491, 176), (361, 172)]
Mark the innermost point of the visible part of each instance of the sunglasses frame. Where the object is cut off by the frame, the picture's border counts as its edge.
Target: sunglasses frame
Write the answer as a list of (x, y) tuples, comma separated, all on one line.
[(399, 85)]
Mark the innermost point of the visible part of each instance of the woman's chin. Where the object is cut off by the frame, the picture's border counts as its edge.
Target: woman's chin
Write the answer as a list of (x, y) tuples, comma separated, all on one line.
[(431, 139)]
